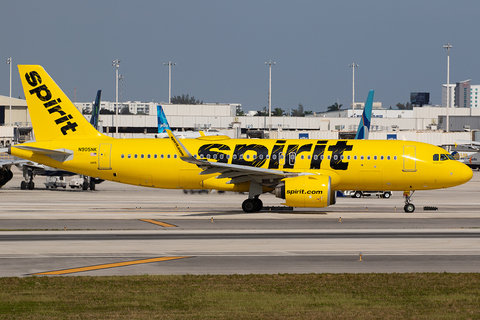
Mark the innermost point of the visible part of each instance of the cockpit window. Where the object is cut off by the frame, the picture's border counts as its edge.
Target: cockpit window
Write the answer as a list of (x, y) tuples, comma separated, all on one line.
[(442, 157)]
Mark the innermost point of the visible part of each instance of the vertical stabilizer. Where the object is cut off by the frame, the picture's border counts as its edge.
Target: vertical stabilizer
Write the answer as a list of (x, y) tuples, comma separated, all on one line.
[(53, 115), (163, 125), (96, 110), (364, 126)]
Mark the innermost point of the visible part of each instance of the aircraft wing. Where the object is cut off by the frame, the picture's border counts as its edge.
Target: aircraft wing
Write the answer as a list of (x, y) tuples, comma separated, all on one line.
[(237, 173)]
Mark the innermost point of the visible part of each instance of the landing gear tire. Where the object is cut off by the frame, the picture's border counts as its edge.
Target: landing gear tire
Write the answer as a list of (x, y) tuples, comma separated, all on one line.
[(92, 185), (409, 208), (258, 204), (31, 185), (358, 194), (387, 195), (249, 205), (23, 185), (85, 186)]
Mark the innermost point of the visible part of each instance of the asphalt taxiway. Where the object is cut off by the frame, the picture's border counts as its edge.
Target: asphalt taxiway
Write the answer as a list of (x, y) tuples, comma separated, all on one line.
[(126, 230)]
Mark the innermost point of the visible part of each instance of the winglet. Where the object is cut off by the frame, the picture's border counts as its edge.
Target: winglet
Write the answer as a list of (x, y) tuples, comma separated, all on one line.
[(182, 151)]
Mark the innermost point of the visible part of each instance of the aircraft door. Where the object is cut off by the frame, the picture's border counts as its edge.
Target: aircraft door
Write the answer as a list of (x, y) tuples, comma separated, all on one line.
[(409, 159), (104, 152)]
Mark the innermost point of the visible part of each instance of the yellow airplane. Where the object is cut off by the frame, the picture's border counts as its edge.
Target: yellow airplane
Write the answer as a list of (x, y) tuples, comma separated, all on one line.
[(305, 173)]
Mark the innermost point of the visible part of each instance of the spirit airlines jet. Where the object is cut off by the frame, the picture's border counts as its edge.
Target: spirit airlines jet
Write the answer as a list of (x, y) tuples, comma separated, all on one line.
[(305, 173)]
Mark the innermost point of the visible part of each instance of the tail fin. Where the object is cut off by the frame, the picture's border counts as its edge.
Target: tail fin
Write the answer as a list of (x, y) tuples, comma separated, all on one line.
[(364, 126), (53, 115), (96, 110), (163, 125)]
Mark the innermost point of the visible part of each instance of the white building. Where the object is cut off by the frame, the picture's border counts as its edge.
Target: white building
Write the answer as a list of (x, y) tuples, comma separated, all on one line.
[(451, 96), (474, 97)]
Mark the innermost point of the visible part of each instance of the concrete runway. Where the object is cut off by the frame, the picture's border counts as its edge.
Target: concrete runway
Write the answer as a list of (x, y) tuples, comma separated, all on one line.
[(126, 230)]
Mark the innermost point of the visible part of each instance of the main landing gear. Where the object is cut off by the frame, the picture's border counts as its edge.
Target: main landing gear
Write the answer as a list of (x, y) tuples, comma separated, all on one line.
[(409, 207), (253, 203), (28, 175)]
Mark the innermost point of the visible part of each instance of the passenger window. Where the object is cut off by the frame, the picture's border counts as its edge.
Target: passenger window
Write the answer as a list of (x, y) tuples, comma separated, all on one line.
[(301, 157), (248, 156), (309, 157), (361, 157), (394, 157), (175, 156), (261, 157), (322, 157), (228, 156), (135, 156), (123, 156), (381, 157), (374, 157), (148, 156), (195, 156), (348, 157), (161, 156), (328, 157), (234, 157), (341, 157), (335, 157), (221, 156), (388, 157), (267, 157), (168, 156), (368, 157), (354, 157), (240, 157), (208, 156), (141, 156), (129, 156), (155, 156), (315, 157), (215, 156)]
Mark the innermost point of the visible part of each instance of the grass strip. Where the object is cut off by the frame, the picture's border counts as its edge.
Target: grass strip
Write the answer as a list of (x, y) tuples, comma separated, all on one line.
[(281, 296)]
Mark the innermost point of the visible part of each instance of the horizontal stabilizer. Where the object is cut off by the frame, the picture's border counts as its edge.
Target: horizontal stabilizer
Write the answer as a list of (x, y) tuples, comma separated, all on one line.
[(60, 155)]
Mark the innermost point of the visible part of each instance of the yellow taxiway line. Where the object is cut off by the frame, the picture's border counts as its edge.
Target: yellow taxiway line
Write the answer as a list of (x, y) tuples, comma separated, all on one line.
[(163, 224), (105, 266)]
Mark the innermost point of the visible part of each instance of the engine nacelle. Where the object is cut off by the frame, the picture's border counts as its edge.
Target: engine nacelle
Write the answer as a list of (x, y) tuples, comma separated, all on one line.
[(5, 176), (307, 191)]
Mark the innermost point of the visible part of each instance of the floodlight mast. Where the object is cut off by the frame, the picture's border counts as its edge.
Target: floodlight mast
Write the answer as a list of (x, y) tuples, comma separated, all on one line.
[(116, 64), (270, 63), (353, 66), (170, 64), (448, 46), (9, 62)]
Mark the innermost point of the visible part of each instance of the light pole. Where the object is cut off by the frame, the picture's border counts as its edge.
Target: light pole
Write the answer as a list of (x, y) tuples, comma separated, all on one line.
[(270, 63), (170, 64), (353, 66), (9, 62), (448, 46), (116, 64)]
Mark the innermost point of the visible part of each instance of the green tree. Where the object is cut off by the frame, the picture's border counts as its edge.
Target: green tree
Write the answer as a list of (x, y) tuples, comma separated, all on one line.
[(278, 112), (334, 107), (407, 106), (185, 99), (106, 111), (299, 111), (262, 113), (125, 110)]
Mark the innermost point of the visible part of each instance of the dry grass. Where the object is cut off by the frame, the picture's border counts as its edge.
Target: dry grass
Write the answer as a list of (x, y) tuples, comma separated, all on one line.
[(284, 296)]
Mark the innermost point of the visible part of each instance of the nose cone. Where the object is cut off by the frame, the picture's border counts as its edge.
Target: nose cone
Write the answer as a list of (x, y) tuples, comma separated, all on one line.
[(463, 173)]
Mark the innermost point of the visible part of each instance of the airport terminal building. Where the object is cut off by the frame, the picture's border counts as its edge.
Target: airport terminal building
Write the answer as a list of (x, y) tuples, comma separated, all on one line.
[(425, 124)]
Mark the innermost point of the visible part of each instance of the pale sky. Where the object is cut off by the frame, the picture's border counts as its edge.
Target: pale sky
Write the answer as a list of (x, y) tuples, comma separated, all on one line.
[(221, 47)]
